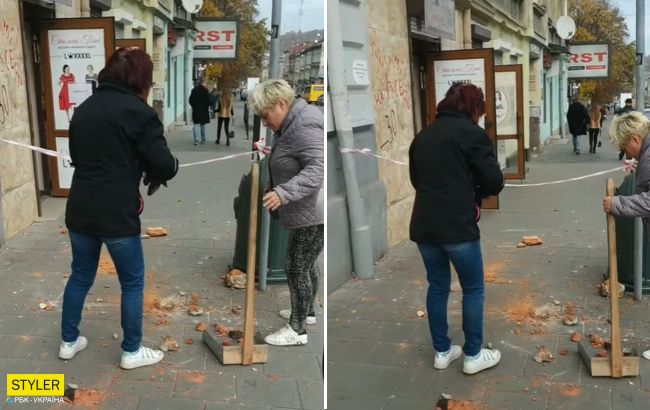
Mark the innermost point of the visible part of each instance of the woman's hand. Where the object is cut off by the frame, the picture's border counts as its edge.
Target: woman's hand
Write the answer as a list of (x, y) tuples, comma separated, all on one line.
[(607, 204), (271, 201)]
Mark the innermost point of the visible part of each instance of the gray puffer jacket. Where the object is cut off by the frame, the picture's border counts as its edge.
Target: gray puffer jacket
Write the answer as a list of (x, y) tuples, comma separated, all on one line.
[(296, 166), (639, 203)]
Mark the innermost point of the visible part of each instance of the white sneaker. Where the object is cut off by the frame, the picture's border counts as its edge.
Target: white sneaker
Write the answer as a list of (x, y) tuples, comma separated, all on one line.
[(286, 337), (142, 357), (69, 349), (311, 320), (646, 354), (442, 360), (485, 359)]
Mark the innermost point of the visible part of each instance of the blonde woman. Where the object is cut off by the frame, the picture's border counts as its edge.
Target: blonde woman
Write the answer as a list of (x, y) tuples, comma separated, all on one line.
[(296, 170), (629, 132), (594, 127)]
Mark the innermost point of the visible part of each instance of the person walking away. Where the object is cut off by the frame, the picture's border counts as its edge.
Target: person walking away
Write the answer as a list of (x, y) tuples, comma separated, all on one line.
[(296, 171), (577, 118), (452, 169), (225, 111), (626, 108), (214, 98), (115, 137), (629, 132), (595, 122), (200, 103)]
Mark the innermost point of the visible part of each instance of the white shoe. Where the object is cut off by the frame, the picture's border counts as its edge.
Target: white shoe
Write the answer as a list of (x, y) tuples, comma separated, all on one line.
[(286, 337), (646, 354), (311, 320), (69, 349), (142, 357), (442, 360), (485, 359)]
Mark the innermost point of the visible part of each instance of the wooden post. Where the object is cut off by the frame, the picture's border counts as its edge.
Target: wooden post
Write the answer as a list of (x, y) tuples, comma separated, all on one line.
[(616, 352), (249, 318)]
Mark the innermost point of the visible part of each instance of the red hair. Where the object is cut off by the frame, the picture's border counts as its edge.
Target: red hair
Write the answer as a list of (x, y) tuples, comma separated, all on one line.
[(131, 67), (464, 98)]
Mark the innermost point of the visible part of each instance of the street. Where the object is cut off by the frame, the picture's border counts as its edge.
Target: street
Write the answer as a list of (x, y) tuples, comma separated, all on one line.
[(197, 211), (380, 353)]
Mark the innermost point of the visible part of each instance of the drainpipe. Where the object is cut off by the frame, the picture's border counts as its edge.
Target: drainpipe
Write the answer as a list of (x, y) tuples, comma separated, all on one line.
[(359, 229), (467, 29), (85, 8)]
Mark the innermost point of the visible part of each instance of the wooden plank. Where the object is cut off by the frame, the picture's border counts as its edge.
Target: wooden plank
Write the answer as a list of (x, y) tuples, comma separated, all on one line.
[(616, 352), (247, 348)]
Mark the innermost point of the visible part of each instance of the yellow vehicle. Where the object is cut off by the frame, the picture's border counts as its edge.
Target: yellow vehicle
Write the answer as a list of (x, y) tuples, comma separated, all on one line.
[(312, 92)]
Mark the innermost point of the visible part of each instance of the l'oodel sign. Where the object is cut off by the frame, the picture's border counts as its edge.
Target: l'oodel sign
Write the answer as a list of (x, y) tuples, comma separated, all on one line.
[(589, 60), (216, 40)]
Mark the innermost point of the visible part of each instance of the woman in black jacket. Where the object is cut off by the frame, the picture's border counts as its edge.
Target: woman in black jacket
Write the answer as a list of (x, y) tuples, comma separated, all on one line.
[(452, 168), (115, 137)]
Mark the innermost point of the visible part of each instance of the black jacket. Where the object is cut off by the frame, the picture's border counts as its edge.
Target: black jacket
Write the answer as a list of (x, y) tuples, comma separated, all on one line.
[(200, 103), (451, 167), (578, 118), (114, 137)]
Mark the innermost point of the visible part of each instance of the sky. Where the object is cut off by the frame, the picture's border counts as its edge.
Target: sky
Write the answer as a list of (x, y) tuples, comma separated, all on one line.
[(628, 10), (312, 19)]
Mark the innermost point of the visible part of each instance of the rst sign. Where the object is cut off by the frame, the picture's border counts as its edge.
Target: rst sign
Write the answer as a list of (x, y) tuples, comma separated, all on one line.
[(216, 40), (589, 60)]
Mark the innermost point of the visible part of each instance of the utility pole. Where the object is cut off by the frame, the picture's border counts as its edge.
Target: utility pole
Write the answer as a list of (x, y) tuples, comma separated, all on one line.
[(274, 72), (640, 105)]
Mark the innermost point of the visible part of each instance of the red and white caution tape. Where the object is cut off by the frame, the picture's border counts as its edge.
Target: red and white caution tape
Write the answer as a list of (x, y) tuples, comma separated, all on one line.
[(66, 156), (368, 152), (628, 166), (39, 149)]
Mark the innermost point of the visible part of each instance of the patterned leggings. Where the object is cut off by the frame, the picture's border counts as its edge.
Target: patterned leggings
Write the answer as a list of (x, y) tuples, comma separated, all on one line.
[(305, 244)]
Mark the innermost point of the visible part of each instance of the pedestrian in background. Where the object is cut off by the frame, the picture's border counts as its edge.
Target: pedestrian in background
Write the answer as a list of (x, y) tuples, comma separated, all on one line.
[(225, 111), (115, 137), (452, 169), (577, 118), (296, 171), (626, 108), (200, 103), (214, 98), (595, 122)]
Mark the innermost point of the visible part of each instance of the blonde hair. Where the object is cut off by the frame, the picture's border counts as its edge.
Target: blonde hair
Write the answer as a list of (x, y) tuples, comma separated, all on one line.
[(628, 125), (269, 93)]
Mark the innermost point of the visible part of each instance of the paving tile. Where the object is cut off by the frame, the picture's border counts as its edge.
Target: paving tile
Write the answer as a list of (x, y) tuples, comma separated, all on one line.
[(288, 364), (206, 385), (259, 390), (311, 394), (170, 404), (574, 396), (144, 389), (348, 401)]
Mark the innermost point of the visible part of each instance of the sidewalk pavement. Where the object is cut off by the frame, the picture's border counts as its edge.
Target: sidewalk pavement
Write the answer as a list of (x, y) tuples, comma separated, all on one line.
[(197, 211), (380, 354)]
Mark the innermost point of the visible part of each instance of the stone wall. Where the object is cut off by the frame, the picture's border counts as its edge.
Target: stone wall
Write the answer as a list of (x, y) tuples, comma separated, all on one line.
[(16, 167), (389, 65)]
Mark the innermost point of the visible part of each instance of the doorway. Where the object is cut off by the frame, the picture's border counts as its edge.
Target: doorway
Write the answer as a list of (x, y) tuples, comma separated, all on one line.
[(31, 14)]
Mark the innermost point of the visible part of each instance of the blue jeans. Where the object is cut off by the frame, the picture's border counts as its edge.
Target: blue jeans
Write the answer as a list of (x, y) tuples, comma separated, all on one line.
[(127, 255), (576, 142), (468, 262), (196, 129)]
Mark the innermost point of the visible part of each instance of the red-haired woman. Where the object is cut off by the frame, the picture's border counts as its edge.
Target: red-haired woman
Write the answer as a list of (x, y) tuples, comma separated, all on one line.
[(115, 137), (452, 168)]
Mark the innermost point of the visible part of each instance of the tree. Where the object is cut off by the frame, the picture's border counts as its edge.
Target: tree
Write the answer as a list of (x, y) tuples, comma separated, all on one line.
[(253, 41), (599, 20)]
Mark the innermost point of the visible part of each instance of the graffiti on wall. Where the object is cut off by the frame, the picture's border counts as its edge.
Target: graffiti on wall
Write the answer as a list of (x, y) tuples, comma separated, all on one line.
[(12, 73), (391, 92)]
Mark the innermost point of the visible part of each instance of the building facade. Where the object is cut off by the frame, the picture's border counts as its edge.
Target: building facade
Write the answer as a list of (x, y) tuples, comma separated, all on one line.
[(385, 47)]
